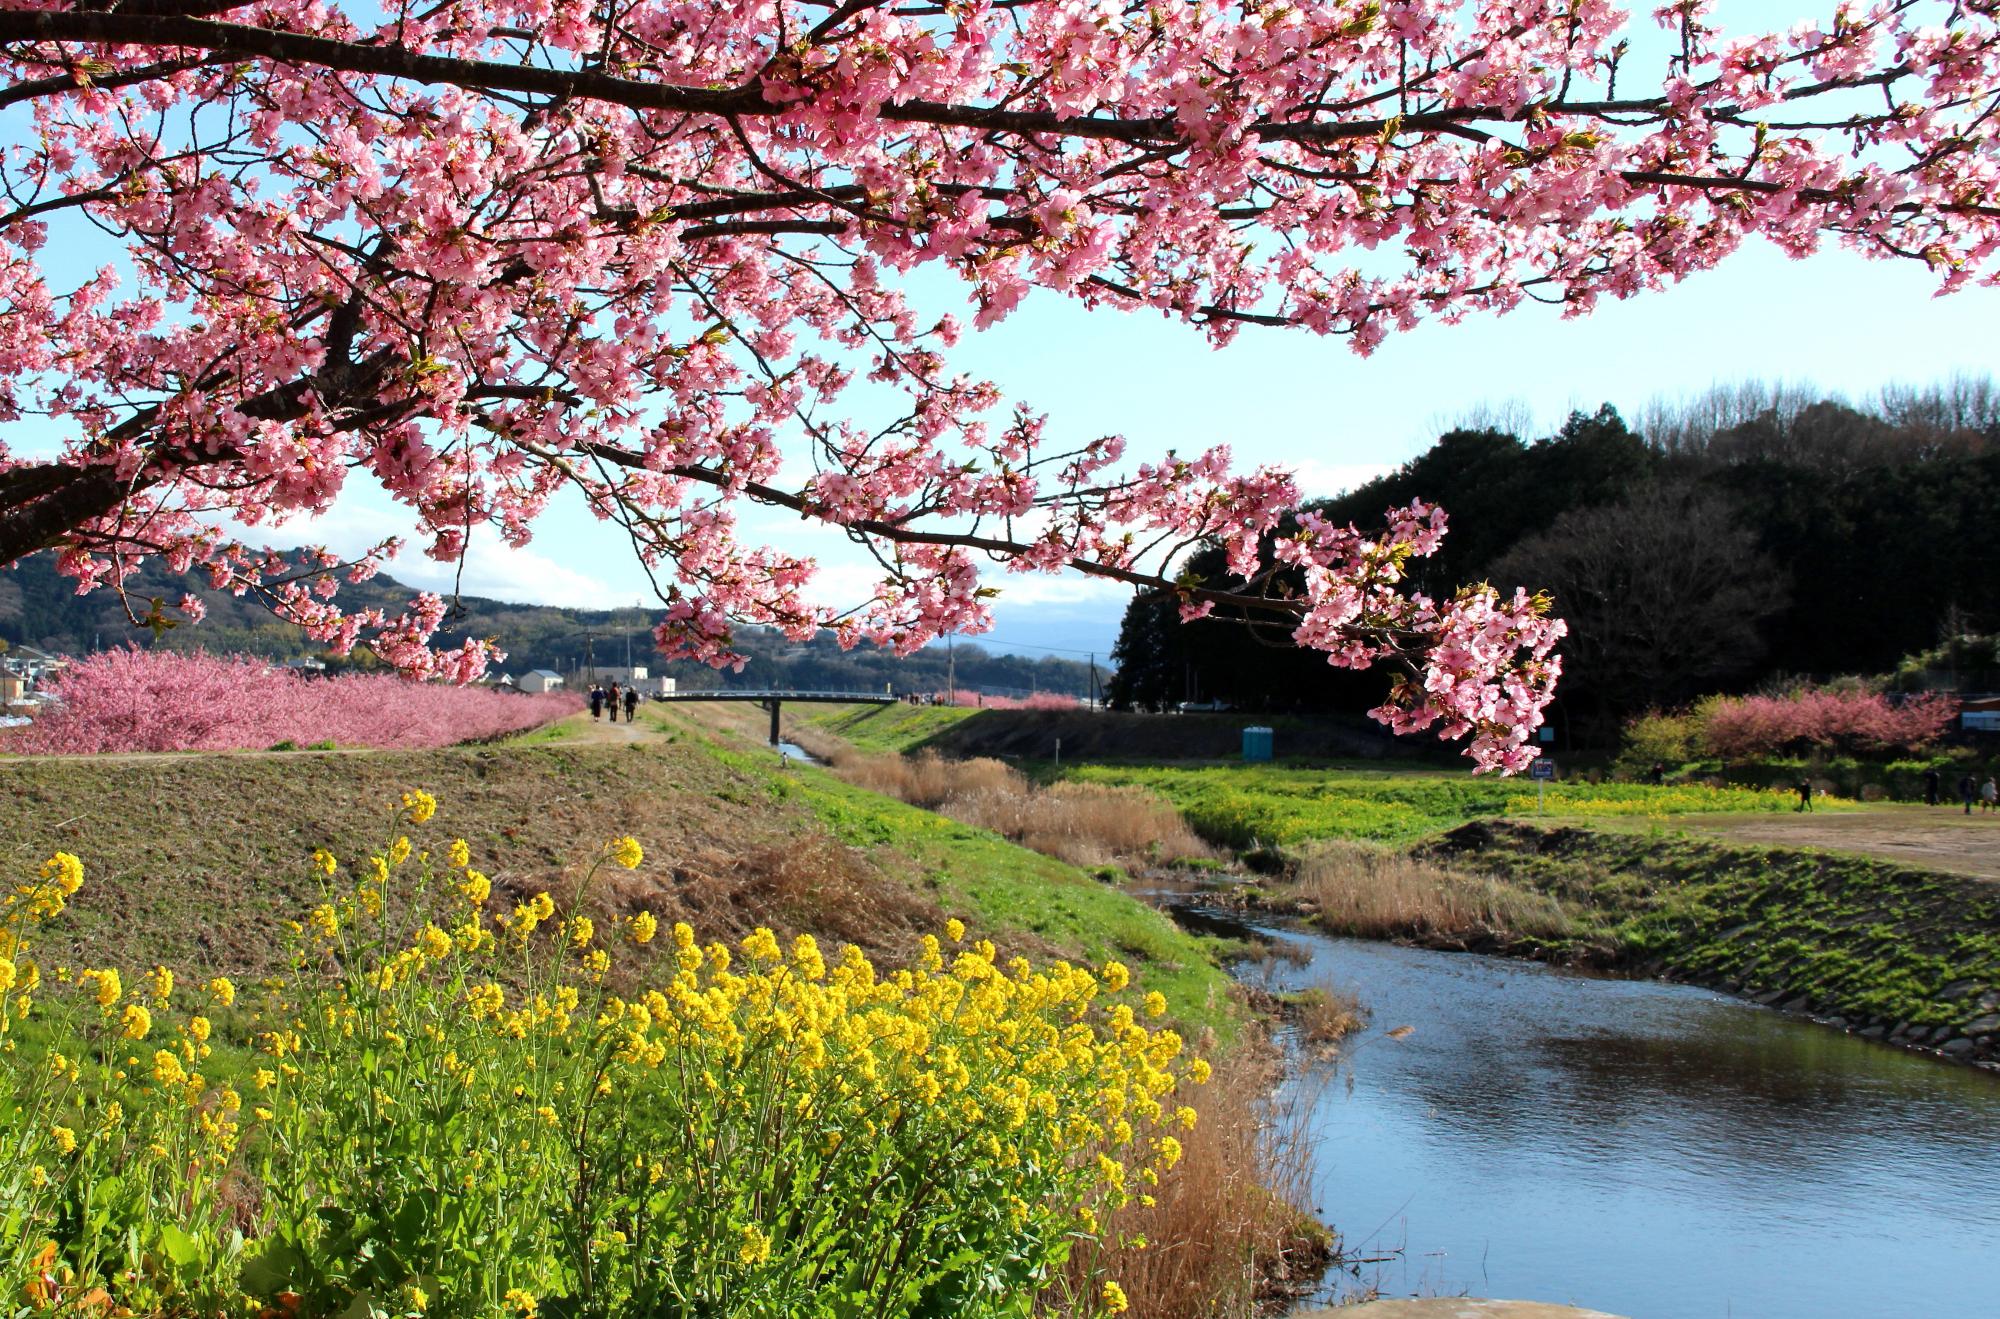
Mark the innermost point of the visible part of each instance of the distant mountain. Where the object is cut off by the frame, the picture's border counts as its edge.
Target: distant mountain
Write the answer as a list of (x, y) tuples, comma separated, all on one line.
[(40, 608)]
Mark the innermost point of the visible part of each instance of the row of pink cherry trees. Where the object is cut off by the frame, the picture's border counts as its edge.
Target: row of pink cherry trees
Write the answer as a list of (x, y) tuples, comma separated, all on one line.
[(150, 700)]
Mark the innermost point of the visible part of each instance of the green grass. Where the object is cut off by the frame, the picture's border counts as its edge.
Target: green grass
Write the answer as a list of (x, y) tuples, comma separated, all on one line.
[(1002, 889), (889, 728), (1248, 806), (1858, 937)]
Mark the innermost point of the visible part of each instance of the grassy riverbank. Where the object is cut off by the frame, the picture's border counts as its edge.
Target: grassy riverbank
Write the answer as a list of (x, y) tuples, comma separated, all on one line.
[(1888, 950), (200, 862), (1630, 877), (1244, 807)]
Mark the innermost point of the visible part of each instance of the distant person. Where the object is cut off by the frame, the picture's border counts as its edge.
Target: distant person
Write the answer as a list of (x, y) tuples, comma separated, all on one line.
[(1989, 795), (596, 701), (1805, 794), (611, 699), (631, 702), (1658, 774), (1933, 786), (1967, 790)]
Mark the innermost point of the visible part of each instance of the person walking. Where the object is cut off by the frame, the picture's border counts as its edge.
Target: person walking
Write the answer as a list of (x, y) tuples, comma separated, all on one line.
[(611, 699), (631, 702), (1989, 796), (1933, 785), (1967, 790), (1805, 794), (596, 701)]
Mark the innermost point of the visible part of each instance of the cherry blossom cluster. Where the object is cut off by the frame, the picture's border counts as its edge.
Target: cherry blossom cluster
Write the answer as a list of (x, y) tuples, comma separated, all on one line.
[(488, 254), (129, 699)]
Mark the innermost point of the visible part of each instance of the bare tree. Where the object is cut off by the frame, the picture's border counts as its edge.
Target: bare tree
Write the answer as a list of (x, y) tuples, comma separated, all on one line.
[(1663, 593)]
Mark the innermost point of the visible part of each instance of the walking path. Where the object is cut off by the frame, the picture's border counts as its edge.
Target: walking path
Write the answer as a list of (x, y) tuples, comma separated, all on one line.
[(1925, 837)]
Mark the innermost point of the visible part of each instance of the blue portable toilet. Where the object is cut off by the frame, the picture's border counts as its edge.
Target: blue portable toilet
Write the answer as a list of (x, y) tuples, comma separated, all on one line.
[(1256, 744)]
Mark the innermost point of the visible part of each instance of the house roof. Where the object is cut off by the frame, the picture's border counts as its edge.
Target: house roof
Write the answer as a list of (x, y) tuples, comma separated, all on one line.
[(542, 673)]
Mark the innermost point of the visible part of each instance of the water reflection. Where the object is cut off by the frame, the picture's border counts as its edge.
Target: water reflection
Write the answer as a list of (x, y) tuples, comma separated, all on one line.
[(1651, 1150)]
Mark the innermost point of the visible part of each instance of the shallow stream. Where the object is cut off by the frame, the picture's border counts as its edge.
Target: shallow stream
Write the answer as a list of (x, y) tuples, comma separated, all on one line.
[(1651, 1150)]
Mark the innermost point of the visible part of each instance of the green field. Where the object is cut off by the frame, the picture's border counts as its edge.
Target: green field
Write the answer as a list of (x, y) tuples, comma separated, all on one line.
[(889, 729), (1251, 806)]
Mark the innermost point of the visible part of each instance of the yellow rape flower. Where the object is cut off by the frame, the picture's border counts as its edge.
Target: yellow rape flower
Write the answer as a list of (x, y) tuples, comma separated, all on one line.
[(627, 852), (419, 806), (756, 1247), (477, 888), (160, 982), (1114, 1299), (109, 987), (581, 931), (324, 861), (434, 943), (520, 1302), (65, 872), (64, 1138), (136, 1022), (1156, 1004), (643, 927), (222, 990), (9, 975), (199, 1028), (324, 921), (1116, 977), (954, 930), (167, 1068), (461, 855)]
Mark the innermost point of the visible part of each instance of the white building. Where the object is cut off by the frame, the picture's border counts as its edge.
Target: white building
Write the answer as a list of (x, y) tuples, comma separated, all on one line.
[(540, 680)]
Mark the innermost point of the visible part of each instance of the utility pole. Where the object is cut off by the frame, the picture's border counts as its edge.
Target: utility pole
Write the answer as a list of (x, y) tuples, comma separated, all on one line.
[(1093, 680), (589, 658), (950, 671)]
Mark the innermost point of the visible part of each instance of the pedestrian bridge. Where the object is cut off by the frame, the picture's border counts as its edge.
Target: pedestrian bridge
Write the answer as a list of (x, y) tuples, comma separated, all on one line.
[(774, 700)]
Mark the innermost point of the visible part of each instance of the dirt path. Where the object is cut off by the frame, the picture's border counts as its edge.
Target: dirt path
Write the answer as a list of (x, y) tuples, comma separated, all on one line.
[(1932, 838)]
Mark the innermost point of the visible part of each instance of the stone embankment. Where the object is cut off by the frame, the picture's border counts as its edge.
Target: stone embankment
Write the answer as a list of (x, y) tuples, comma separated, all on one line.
[(1908, 957)]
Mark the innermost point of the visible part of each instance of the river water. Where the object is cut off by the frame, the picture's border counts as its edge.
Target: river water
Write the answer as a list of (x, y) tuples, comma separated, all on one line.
[(1652, 1150)]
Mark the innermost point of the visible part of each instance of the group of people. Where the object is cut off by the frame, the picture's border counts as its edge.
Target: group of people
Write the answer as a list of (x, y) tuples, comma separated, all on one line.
[(1970, 789), (599, 698)]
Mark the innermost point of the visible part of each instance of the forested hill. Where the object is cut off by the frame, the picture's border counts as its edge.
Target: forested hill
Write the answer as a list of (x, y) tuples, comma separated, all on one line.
[(40, 608), (1754, 533)]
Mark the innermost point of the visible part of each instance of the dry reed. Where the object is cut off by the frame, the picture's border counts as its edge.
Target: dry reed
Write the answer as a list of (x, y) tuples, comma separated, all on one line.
[(1229, 1230), (1374, 893), (1327, 1014), (1084, 824)]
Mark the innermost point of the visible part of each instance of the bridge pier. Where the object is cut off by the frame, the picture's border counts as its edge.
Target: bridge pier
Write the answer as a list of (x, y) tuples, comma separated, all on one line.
[(774, 707)]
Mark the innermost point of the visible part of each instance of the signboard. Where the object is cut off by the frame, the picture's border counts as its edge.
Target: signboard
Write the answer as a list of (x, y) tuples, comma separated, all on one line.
[(1543, 768)]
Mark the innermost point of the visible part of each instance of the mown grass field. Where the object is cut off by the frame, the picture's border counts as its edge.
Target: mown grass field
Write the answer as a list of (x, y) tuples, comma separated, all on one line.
[(1275, 806)]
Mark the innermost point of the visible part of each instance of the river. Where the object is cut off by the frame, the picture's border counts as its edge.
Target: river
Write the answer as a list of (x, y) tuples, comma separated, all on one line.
[(1647, 1149)]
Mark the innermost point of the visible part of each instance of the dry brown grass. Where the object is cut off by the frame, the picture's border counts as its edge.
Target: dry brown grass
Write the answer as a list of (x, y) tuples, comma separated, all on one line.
[(212, 851), (1229, 1230), (1084, 824), (1375, 893), (1327, 1014)]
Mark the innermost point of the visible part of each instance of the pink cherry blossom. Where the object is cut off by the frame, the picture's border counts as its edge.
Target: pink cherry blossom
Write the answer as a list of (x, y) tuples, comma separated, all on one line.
[(654, 256)]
